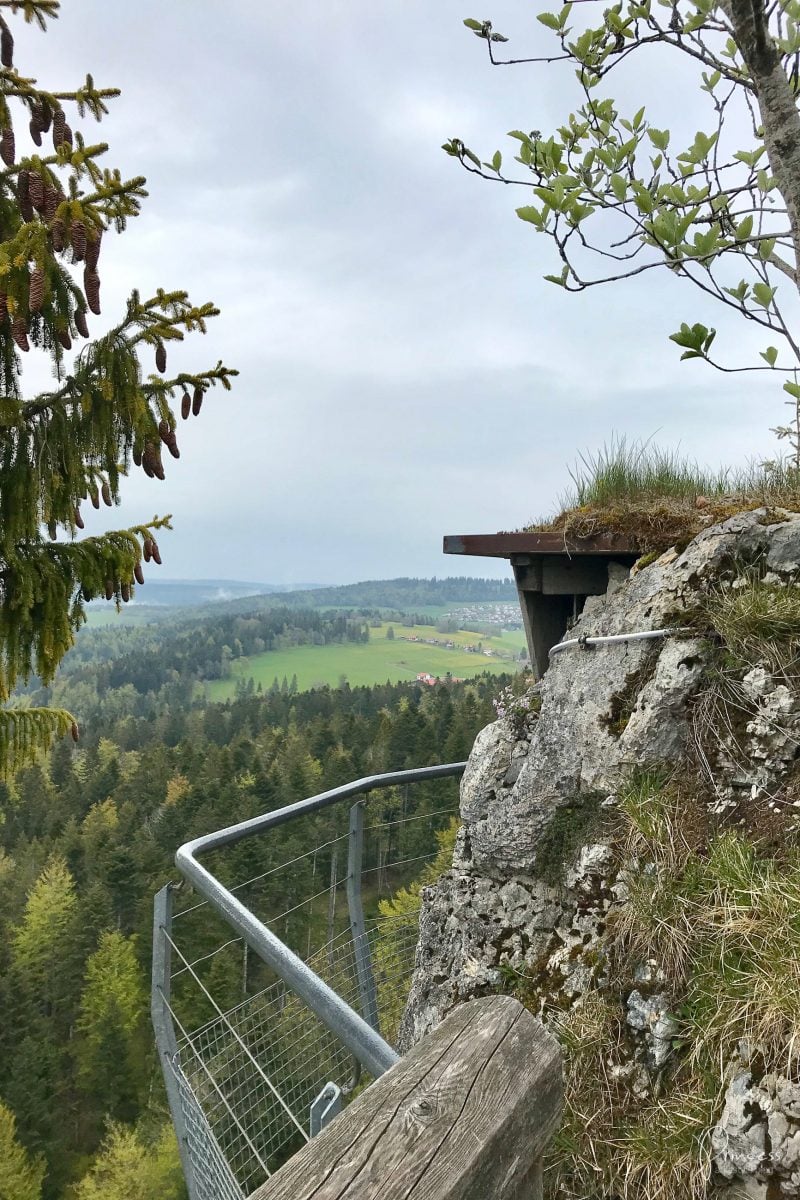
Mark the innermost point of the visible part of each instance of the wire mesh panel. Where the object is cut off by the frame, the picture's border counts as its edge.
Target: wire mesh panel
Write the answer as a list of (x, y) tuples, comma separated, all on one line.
[(249, 1056)]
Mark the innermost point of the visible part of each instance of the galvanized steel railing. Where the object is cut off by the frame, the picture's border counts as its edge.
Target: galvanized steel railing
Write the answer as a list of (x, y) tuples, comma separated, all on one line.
[(250, 1078)]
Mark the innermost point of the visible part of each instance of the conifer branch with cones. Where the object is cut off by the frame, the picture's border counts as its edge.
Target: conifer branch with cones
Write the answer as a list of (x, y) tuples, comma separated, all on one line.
[(109, 412)]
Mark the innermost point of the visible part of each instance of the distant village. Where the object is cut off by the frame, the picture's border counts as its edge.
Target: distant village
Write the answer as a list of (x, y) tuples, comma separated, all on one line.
[(503, 616), (431, 680), (477, 648)]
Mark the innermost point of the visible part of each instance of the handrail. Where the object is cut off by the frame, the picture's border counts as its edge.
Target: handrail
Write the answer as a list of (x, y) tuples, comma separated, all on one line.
[(363, 1042)]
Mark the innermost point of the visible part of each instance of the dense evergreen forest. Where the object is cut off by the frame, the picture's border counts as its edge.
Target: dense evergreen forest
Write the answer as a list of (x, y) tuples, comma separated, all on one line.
[(88, 837), (121, 669)]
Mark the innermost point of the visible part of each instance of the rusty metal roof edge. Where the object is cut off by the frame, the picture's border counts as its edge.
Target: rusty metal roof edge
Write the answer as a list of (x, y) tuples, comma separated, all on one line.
[(550, 541)]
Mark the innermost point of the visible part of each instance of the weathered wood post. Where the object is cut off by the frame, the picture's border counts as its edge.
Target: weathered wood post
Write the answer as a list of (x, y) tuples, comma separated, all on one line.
[(466, 1115)]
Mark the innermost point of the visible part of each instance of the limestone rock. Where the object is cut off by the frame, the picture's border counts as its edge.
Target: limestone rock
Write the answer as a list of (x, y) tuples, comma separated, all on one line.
[(758, 1134), (502, 914), (469, 926), (650, 1015)]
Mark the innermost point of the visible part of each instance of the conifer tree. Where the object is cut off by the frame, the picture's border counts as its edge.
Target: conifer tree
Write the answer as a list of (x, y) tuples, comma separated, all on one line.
[(20, 1178), (111, 406)]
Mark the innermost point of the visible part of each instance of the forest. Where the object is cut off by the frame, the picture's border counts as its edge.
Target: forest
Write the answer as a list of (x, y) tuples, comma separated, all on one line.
[(88, 837)]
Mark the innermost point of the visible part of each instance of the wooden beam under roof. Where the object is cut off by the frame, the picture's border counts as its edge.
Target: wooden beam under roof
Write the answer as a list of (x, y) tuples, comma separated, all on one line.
[(554, 572)]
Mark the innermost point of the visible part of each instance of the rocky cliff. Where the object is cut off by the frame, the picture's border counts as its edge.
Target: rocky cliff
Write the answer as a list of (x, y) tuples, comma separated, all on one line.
[(628, 840)]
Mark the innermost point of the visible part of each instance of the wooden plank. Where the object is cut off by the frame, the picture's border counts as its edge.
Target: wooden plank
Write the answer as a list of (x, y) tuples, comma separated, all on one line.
[(546, 619), (465, 1115), (550, 541)]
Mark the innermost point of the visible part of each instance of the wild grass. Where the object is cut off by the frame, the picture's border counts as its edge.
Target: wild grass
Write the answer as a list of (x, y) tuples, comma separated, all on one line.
[(612, 1143), (628, 471), (758, 623), (721, 918), (660, 498)]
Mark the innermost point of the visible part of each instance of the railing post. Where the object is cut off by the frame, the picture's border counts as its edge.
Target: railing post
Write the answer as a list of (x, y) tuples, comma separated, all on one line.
[(166, 1044), (366, 979)]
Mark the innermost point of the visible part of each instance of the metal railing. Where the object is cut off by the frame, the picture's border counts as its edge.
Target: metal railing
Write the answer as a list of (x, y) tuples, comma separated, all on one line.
[(273, 993)]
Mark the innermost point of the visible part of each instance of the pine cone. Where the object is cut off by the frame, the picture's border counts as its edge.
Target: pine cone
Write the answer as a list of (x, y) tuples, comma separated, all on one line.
[(147, 549), (8, 146), (159, 470), (59, 123), (24, 196), (64, 339), (19, 332), (161, 359), (35, 131), (52, 530), (79, 317), (58, 233), (164, 431), (155, 553), (94, 496), (172, 446), (91, 286), (77, 235), (109, 589), (36, 291), (76, 733), (6, 47), (197, 400), (52, 199), (105, 492), (36, 190), (149, 459), (125, 591), (93, 249), (78, 519), (44, 116), (186, 405), (137, 456), (139, 574), (67, 136)]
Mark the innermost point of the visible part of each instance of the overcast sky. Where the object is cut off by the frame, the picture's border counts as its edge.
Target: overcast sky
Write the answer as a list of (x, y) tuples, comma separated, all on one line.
[(405, 372)]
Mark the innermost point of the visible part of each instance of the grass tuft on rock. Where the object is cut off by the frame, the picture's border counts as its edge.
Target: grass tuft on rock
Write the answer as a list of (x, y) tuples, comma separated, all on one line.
[(758, 624), (719, 914), (661, 499)]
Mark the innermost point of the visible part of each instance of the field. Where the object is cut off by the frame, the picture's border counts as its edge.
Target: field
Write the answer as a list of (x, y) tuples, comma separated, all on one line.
[(380, 659)]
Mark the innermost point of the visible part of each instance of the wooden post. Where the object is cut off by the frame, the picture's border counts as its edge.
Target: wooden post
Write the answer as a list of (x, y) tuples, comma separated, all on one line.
[(466, 1115)]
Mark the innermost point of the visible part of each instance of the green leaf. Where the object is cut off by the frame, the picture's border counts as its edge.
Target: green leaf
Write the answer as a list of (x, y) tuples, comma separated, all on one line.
[(770, 355), (563, 16), (765, 248), (659, 138), (529, 213), (637, 120), (793, 389), (744, 228), (619, 187), (472, 157), (471, 23), (497, 160), (691, 336), (763, 294), (550, 20), (559, 280)]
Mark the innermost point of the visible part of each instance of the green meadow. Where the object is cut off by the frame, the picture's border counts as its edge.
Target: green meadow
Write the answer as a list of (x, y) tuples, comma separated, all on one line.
[(379, 659)]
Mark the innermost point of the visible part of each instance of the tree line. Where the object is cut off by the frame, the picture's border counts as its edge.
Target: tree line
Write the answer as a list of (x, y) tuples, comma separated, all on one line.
[(88, 837)]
